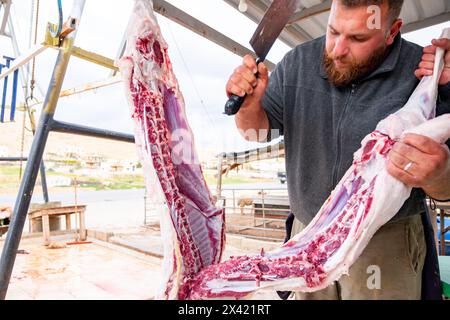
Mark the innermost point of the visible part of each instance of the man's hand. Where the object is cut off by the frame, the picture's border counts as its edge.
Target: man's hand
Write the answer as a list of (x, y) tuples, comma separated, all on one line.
[(426, 66), (251, 120), (421, 162), (243, 81)]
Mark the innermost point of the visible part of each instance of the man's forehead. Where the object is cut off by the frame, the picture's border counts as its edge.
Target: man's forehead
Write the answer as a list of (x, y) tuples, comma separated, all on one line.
[(357, 20), (362, 12), (352, 32)]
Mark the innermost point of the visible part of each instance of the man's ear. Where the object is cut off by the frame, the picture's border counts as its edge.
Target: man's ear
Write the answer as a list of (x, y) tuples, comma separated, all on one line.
[(395, 29)]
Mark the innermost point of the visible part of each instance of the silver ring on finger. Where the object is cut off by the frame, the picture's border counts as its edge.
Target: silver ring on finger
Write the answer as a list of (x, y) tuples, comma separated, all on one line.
[(408, 166)]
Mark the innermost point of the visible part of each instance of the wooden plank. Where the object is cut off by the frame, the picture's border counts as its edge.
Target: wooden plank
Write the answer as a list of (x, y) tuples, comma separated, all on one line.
[(46, 229), (23, 59), (56, 211), (91, 86), (443, 205), (87, 87), (94, 58), (7, 7), (68, 223), (3, 230), (82, 226)]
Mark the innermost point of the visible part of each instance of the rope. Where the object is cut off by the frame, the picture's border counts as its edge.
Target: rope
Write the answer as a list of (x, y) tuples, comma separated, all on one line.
[(32, 82), (77, 214), (22, 141), (211, 122), (433, 205)]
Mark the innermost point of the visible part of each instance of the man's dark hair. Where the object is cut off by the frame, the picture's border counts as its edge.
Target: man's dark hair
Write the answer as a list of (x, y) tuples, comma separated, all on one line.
[(395, 6)]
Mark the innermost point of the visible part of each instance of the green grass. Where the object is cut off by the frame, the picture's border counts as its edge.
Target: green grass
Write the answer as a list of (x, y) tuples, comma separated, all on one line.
[(11, 171), (9, 178), (114, 182), (121, 182)]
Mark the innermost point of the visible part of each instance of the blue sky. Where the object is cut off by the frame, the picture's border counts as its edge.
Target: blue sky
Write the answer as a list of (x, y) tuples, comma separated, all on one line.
[(202, 67)]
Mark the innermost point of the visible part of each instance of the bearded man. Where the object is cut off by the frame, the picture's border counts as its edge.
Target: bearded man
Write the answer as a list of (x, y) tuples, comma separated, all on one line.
[(325, 96)]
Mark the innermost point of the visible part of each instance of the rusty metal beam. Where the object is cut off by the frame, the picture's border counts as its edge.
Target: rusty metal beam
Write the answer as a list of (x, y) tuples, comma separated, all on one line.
[(173, 13), (7, 8), (311, 11)]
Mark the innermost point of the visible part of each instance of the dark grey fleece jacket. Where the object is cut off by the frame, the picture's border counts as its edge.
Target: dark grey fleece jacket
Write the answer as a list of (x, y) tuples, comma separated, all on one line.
[(323, 125)]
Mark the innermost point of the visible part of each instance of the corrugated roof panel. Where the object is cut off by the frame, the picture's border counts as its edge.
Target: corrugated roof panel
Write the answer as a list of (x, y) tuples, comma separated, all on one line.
[(433, 8), (420, 13), (316, 25)]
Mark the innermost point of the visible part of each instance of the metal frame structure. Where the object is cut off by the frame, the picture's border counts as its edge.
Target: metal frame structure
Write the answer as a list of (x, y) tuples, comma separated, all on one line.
[(7, 7), (5, 91), (232, 160), (47, 124), (293, 35), (37, 149), (7, 20)]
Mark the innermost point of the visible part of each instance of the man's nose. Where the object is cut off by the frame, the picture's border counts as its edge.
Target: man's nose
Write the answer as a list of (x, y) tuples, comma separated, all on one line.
[(341, 48)]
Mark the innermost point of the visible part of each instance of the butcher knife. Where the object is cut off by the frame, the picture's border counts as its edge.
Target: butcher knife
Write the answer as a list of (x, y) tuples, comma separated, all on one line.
[(268, 30)]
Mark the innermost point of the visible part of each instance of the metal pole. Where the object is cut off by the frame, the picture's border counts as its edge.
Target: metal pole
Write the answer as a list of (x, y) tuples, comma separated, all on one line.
[(234, 202), (264, 211), (13, 99), (37, 149), (219, 179), (44, 181), (64, 127), (5, 89), (24, 80), (11, 159), (441, 214), (24, 77)]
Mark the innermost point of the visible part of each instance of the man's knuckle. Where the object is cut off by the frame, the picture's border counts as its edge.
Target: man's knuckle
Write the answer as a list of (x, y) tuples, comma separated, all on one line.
[(402, 149), (433, 165), (236, 78)]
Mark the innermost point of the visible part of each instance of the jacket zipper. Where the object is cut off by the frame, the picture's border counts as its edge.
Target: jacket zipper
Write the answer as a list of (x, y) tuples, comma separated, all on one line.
[(339, 136)]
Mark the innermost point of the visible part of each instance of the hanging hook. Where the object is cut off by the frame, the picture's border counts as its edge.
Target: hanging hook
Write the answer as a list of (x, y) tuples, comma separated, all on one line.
[(243, 6)]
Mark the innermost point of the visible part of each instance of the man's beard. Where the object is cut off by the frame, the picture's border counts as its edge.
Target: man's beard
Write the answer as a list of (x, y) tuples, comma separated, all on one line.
[(355, 70)]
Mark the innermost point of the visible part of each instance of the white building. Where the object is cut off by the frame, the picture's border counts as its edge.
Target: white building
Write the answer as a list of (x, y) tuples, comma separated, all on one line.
[(4, 151), (59, 181)]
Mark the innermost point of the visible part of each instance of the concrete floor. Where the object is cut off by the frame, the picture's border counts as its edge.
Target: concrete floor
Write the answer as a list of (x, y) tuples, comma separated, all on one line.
[(122, 262), (127, 267), (84, 271)]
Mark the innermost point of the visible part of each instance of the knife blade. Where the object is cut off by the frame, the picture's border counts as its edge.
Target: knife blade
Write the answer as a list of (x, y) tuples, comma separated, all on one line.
[(265, 35)]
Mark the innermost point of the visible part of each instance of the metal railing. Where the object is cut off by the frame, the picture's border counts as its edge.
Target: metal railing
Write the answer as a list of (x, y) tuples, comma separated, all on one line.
[(257, 213)]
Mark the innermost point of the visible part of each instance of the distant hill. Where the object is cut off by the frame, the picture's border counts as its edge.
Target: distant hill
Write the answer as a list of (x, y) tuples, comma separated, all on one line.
[(11, 135)]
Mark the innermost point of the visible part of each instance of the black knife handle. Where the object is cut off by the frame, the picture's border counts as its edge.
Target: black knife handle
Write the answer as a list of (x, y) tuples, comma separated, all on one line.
[(235, 102)]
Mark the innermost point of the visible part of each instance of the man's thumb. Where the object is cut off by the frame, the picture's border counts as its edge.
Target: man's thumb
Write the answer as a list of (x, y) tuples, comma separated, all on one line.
[(263, 73)]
